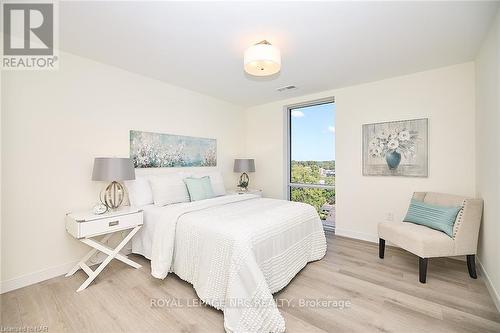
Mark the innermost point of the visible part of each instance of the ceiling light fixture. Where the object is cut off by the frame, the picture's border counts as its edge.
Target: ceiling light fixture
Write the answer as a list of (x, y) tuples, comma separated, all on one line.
[(262, 59)]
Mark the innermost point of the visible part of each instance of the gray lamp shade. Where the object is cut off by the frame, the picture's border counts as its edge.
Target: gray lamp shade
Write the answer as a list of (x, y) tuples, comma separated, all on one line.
[(113, 168), (244, 165)]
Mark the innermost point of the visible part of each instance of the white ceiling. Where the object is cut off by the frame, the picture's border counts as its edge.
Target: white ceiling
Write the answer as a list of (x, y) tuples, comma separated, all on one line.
[(324, 45)]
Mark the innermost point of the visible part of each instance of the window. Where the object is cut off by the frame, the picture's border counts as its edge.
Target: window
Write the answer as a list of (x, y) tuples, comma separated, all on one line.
[(311, 157)]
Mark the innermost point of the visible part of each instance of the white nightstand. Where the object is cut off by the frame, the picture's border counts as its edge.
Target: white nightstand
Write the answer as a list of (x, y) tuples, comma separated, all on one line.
[(83, 226), (249, 191)]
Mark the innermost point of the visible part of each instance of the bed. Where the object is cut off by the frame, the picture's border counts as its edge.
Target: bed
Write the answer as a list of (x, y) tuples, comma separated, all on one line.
[(236, 251)]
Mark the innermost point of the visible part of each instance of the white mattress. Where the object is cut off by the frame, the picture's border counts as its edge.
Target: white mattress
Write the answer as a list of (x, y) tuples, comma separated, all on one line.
[(143, 241), (236, 247)]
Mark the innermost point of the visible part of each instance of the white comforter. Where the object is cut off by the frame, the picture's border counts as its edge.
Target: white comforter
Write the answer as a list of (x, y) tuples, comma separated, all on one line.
[(236, 250)]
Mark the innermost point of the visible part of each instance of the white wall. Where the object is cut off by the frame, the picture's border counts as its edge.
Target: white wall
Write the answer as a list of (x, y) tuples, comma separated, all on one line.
[(1, 214), (55, 123), (488, 154), (445, 96)]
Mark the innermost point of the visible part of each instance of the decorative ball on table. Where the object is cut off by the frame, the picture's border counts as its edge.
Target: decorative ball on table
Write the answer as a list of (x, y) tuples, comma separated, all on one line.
[(114, 170), (244, 165)]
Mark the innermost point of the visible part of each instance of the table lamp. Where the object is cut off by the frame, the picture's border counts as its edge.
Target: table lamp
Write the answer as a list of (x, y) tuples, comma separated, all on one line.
[(244, 165), (113, 169)]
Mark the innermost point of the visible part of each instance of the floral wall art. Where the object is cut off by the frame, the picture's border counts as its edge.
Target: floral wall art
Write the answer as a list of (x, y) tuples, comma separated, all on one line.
[(397, 148), (157, 150)]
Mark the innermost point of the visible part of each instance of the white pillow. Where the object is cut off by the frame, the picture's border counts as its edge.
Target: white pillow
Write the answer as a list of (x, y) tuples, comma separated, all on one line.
[(168, 189), (216, 180), (139, 191)]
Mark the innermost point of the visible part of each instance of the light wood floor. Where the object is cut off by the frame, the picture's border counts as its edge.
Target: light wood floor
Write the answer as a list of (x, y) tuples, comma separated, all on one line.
[(385, 296)]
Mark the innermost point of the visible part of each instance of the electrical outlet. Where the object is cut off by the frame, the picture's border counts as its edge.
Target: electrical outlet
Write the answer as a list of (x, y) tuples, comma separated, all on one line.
[(389, 217)]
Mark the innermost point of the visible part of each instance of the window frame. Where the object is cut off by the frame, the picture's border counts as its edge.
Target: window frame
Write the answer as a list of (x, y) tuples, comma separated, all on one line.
[(288, 185)]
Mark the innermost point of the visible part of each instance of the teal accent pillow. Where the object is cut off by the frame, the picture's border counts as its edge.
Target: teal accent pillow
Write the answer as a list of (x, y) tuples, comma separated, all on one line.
[(435, 217), (199, 188)]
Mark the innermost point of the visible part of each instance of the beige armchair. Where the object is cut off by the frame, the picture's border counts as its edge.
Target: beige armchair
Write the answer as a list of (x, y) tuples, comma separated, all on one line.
[(428, 243)]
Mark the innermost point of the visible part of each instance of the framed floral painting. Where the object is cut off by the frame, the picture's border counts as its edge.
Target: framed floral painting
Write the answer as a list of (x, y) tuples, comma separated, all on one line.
[(396, 148), (158, 150)]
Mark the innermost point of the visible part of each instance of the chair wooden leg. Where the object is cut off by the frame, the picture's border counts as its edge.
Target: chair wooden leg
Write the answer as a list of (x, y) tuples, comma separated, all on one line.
[(381, 248), (422, 269), (471, 265)]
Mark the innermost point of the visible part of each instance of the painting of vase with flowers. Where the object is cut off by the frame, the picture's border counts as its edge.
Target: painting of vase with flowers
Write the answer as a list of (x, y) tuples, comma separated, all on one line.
[(396, 148)]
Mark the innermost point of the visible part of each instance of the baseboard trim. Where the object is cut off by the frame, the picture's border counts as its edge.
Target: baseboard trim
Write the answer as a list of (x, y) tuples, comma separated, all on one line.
[(356, 235), (49, 273), (491, 288), (32, 278)]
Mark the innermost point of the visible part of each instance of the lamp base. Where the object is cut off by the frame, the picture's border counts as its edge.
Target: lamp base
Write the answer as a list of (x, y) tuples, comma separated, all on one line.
[(244, 181), (112, 196)]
